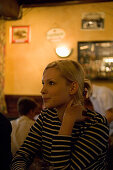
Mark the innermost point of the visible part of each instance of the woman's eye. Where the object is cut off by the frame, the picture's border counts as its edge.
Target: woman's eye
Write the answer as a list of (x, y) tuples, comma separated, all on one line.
[(51, 83)]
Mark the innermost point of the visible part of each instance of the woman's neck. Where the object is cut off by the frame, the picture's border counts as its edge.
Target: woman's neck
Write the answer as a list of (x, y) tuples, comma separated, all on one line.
[(60, 111)]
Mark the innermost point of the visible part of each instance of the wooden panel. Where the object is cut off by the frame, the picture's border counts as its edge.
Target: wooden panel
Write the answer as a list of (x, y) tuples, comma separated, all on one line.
[(11, 101), (9, 8)]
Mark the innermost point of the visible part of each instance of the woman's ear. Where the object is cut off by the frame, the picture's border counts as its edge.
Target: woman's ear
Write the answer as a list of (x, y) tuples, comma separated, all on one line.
[(73, 88)]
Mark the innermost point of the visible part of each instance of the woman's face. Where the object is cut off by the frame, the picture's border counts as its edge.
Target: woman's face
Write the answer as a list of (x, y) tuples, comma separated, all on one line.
[(55, 91)]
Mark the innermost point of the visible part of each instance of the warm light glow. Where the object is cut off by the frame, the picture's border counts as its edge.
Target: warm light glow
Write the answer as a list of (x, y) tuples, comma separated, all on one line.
[(63, 51), (108, 60), (84, 47)]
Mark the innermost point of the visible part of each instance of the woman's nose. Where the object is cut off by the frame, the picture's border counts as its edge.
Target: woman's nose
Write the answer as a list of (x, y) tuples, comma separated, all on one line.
[(43, 90)]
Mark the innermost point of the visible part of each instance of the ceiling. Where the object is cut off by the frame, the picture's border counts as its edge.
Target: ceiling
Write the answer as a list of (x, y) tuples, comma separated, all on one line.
[(29, 3), (11, 9)]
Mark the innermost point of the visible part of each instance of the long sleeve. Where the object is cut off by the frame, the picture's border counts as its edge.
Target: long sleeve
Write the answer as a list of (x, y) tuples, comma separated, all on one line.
[(86, 151), (86, 148), (31, 145)]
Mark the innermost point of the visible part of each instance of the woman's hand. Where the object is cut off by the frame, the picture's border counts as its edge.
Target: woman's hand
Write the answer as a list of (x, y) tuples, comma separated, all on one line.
[(73, 113)]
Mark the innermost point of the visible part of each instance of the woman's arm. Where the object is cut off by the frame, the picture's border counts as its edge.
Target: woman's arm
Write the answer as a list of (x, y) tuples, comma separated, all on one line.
[(90, 146)]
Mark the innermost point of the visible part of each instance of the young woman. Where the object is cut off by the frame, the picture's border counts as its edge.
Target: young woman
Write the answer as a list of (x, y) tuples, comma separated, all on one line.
[(66, 135)]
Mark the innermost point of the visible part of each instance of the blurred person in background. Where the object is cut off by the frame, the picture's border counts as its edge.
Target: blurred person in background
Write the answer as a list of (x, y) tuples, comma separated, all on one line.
[(102, 100), (27, 109)]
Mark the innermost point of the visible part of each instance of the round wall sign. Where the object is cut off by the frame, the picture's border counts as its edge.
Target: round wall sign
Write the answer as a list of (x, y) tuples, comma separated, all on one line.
[(55, 34)]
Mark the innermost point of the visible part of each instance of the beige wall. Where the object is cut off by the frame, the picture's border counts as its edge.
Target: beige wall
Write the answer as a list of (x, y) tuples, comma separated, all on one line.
[(25, 62)]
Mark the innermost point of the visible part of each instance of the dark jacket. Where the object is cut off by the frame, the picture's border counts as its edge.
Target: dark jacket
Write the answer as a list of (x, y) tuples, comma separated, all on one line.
[(5, 143)]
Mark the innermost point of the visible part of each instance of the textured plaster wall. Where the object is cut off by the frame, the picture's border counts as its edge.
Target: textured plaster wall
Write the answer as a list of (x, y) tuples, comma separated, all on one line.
[(24, 63)]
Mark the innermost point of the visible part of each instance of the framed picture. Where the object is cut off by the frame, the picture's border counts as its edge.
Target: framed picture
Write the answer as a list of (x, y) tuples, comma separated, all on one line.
[(93, 21), (96, 58), (20, 34)]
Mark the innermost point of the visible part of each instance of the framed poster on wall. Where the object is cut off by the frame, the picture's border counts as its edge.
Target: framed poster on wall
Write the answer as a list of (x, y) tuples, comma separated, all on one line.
[(93, 21), (97, 59), (20, 34)]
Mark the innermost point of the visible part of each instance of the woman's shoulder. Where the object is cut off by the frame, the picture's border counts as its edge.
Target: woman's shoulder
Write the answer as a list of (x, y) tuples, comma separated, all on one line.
[(97, 117)]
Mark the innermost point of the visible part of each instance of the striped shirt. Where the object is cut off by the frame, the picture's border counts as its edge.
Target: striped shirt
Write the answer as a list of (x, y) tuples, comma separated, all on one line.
[(85, 149)]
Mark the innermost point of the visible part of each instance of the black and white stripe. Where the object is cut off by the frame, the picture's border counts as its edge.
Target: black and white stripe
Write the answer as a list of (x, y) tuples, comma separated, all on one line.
[(85, 149)]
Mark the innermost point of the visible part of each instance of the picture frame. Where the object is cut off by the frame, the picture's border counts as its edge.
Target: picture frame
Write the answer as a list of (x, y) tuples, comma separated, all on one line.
[(20, 34), (96, 57), (92, 21)]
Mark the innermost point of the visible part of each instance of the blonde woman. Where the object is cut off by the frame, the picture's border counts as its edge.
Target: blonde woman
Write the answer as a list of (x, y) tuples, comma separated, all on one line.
[(66, 135)]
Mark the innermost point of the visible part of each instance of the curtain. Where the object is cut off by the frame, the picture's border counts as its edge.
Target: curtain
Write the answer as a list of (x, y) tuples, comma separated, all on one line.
[(3, 107)]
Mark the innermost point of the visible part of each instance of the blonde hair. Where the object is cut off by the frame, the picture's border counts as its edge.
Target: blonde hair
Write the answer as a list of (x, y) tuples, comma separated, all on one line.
[(71, 71)]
